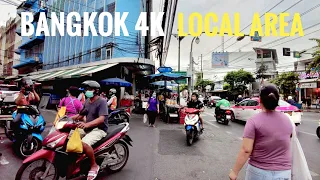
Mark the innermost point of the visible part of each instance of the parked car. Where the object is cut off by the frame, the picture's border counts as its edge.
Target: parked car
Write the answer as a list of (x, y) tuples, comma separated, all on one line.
[(249, 107), (8, 92)]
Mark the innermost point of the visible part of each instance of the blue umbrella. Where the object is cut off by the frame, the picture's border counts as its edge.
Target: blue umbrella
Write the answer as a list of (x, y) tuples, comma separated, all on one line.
[(116, 82), (167, 76), (161, 83)]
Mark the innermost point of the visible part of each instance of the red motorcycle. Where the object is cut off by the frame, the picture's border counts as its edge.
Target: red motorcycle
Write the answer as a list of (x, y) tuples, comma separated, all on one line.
[(52, 161)]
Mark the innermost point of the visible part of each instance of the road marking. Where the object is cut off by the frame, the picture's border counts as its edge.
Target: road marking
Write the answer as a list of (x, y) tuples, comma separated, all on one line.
[(307, 133), (313, 174), (212, 124), (228, 132)]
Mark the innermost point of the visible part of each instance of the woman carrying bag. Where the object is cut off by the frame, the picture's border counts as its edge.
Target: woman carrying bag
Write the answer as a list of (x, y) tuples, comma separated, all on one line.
[(72, 104), (267, 142)]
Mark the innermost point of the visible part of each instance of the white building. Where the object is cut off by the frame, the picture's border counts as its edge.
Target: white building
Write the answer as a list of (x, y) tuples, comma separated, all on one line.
[(269, 60), (309, 84)]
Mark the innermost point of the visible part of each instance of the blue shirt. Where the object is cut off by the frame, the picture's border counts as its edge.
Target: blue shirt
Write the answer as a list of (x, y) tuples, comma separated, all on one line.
[(153, 102)]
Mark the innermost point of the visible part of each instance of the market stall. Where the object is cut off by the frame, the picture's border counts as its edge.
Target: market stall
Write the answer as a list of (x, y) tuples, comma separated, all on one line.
[(165, 78)]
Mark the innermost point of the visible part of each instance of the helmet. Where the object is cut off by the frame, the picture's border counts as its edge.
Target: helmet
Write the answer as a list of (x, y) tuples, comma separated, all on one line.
[(25, 82), (240, 96), (112, 91), (289, 97), (93, 85)]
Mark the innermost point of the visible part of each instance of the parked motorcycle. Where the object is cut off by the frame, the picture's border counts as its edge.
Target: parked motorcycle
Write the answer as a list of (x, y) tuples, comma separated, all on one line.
[(52, 161), (25, 130), (192, 125), (211, 104), (118, 116), (225, 116)]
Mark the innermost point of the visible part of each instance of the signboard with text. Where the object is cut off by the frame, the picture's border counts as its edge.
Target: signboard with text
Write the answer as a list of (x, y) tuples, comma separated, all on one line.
[(311, 75), (308, 85), (183, 73)]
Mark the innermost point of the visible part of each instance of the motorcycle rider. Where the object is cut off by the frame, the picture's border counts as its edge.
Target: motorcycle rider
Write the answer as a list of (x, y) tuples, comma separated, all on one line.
[(95, 124), (113, 101), (197, 104), (27, 94), (223, 103)]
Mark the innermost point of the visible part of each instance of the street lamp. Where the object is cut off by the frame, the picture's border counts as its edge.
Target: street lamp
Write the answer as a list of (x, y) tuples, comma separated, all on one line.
[(197, 40), (240, 38)]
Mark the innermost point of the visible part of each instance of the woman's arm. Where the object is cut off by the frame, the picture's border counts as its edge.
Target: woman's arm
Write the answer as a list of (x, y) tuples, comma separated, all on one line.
[(244, 154)]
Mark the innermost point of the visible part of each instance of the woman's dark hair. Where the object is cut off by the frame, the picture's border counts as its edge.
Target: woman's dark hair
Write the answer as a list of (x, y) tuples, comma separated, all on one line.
[(74, 91), (195, 94), (269, 96)]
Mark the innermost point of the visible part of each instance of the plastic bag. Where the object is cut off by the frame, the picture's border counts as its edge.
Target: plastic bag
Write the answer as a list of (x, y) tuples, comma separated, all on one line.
[(300, 169), (75, 144), (60, 114), (145, 118)]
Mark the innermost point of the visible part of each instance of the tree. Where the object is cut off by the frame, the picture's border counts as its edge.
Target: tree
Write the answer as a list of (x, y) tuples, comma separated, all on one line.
[(261, 71), (237, 81), (316, 55), (287, 83), (203, 82)]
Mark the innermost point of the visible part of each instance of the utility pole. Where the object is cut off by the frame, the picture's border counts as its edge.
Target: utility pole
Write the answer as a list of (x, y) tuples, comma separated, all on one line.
[(201, 73)]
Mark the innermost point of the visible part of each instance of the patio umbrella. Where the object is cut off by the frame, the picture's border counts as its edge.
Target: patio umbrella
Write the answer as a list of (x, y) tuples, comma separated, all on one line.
[(116, 82), (161, 83), (167, 76)]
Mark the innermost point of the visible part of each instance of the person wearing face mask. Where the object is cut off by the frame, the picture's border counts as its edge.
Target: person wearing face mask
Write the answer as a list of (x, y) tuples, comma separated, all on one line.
[(152, 109), (94, 117)]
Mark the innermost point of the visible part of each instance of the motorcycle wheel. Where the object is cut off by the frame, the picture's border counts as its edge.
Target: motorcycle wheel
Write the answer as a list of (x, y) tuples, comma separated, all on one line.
[(190, 137), (118, 166), (233, 118), (33, 172), (125, 118), (23, 151), (318, 132)]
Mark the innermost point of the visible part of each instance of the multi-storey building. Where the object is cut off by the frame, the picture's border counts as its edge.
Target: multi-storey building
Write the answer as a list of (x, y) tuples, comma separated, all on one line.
[(10, 42)]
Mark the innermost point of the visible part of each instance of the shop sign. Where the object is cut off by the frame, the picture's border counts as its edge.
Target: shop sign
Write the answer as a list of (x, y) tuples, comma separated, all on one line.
[(311, 75), (308, 85)]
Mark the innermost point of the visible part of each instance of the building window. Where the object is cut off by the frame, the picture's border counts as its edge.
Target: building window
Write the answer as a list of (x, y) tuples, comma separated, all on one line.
[(266, 54), (109, 53), (98, 53)]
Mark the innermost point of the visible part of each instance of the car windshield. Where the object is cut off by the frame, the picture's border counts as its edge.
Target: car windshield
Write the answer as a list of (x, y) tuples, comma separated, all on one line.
[(283, 103)]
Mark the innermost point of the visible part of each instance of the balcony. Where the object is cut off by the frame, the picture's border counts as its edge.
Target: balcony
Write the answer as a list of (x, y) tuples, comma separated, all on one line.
[(34, 60), (18, 31), (28, 3), (37, 12), (34, 40)]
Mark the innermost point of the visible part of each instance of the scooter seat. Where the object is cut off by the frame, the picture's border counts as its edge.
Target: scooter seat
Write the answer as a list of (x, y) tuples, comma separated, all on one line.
[(112, 130)]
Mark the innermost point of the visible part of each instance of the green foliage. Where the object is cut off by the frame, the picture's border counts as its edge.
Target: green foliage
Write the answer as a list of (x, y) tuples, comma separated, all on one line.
[(203, 82), (183, 87), (316, 62), (286, 83), (236, 81)]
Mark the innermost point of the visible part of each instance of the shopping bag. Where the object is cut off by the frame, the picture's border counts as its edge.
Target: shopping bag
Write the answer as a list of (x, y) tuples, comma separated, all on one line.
[(299, 169), (60, 114), (75, 144), (145, 118)]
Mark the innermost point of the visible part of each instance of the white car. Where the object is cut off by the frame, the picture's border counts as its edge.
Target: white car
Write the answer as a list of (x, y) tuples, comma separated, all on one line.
[(249, 107)]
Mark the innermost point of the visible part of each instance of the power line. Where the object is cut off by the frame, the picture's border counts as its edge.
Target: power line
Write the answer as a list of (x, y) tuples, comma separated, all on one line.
[(245, 27)]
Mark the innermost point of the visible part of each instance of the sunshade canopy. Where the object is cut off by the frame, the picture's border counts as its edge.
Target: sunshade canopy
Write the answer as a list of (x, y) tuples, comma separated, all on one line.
[(116, 82)]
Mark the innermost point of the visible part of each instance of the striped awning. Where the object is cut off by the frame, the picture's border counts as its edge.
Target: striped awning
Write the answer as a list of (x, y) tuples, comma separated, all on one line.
[(87, 71), (40, 75), (74, 73)]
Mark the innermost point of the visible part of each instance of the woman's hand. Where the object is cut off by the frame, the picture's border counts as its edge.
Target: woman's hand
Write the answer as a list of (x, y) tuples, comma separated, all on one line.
[(232, 175)]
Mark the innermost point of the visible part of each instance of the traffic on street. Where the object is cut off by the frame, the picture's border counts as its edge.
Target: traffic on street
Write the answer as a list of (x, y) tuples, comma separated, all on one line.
[(162, 153)]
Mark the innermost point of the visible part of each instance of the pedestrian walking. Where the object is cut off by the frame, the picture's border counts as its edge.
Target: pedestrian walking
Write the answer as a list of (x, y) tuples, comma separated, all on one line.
[(317, 102), (72, 104), (81, 96), (152, 109), (266, 141)]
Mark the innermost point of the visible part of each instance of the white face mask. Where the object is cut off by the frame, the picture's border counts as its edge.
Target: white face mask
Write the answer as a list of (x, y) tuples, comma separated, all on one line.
[(154, 95)]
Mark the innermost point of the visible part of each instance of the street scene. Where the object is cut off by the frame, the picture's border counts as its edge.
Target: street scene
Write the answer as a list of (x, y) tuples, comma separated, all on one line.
[(159, 89)]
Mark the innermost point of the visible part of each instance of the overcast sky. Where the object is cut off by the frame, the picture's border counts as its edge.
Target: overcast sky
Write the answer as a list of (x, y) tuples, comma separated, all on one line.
[(246, 8)]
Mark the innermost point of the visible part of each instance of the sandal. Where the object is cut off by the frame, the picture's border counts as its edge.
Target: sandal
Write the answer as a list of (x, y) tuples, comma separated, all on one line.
[(93, 174)]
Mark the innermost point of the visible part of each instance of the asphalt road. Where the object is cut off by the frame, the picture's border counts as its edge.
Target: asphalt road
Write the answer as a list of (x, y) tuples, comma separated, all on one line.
[(161, 153)]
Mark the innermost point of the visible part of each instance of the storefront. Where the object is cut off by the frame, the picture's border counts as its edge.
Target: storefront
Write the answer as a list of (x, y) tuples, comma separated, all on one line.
[(308, 86)]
